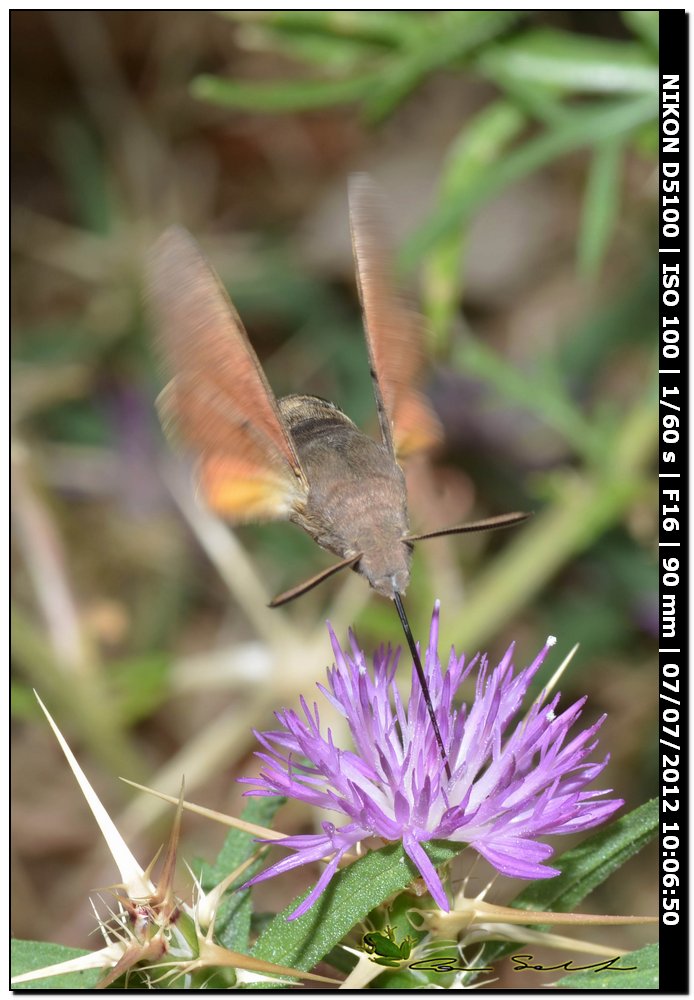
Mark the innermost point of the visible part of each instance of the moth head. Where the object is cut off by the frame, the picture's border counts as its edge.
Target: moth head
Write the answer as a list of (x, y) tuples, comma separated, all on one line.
[(387, 568)]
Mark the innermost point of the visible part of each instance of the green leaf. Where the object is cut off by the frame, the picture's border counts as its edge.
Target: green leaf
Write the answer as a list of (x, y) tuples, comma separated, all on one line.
[(352, 893), (56, 343), (423, 44), (85, 174), (542, 394), (479, 144), (282, 96), (623, 322), (570, 62), (645, 24), (22, 701), (239, 845), (645, 142), (581, 126), (388, 27), (538, 101), (644, 977), (402, 979), (582, 509), (336, 53), (141, 685), (600, 206), (451, 37), (233, 924), (29, 955)]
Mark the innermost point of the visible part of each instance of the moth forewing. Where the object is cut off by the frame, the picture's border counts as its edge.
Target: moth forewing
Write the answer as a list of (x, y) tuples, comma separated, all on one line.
[(393, 328), (219, 402)]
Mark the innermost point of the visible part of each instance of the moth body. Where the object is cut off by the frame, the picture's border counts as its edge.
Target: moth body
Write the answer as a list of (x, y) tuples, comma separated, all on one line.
[(301, 458), (356, 504)]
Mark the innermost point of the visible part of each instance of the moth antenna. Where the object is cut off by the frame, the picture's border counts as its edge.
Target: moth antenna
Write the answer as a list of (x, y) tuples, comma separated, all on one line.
[(422, 679), (486, 524), (302, 588)]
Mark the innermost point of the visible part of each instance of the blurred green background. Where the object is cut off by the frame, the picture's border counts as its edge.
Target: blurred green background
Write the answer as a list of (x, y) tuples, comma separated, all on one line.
[(518, 156)]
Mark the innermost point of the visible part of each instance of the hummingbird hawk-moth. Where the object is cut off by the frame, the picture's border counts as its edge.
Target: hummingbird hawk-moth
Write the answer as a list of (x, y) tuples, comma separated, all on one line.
[(300, 458)]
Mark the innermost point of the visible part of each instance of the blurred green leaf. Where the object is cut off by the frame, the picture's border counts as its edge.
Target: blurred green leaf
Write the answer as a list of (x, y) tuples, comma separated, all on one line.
[(439, 39), (451, 37), (591, 343), (544, 394), (601, 205), (84, 707), (140, 685), (82, 163), (634, 569), (602, 625), (581, 126), (55, 342), (391, 27), (645, 142), (572, 62), (78, 421), (585, 504), (537, 100), (478, 145), (645, 24), (337, 53), (609, 599), (22, 701), (282, 96)]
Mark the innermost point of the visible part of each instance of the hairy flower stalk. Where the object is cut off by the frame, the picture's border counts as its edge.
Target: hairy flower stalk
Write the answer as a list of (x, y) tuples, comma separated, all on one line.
[(511, 783)]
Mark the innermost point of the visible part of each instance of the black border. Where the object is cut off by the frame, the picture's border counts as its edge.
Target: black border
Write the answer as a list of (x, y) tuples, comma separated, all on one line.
[(673, 253)]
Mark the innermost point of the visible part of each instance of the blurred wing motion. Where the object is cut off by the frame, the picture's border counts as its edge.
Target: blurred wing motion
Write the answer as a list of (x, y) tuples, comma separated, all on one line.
[(218, 401), (394, 330)]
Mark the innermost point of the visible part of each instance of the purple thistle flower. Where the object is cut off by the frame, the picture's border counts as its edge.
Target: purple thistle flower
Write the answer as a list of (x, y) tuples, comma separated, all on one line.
[(508, 787)]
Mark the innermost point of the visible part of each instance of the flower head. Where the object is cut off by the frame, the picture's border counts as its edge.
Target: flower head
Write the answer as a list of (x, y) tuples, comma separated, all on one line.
[(510, 783)]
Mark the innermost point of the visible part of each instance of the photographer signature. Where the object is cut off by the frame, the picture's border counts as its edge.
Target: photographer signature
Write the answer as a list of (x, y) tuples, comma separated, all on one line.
[(382, 948), (522, 962)]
